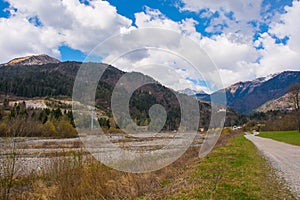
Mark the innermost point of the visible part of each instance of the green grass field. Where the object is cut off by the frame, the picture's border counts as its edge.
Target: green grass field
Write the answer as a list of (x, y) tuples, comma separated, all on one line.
[(237, 171), (233, 171), (291, 137)]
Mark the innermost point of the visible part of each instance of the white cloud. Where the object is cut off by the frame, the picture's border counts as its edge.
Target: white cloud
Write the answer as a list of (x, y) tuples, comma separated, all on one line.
[(19, 37), (158, 61), (226, 53), (277, 57), (232, 16), (169, 69), (154, 18), (289, 26), (83, 27), (234, 51), (243, 10), (62, 22), (235, 60), (93, 24)]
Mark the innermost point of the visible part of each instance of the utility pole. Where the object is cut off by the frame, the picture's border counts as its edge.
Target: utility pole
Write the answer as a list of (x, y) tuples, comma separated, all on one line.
[(92, 121), (92, 110)]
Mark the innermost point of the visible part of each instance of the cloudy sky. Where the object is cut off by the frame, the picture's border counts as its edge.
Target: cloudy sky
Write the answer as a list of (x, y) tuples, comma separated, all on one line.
[(246, 39)]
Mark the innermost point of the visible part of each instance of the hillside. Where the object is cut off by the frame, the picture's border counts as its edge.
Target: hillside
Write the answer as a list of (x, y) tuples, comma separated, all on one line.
[(284, 103), (245, 97), (57, 79)]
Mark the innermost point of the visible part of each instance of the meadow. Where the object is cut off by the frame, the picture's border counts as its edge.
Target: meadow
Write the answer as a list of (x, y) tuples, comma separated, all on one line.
[(290, 137)]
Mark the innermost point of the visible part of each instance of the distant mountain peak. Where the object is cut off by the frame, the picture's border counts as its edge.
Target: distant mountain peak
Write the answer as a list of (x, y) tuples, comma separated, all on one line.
[(188, 91), (32, 60), (249, 86), (266, 78), (191, 92), (247, 96)]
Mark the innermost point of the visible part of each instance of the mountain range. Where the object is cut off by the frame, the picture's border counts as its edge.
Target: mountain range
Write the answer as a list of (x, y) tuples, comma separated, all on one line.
[(45, 78), (43, 75), (248, 96)]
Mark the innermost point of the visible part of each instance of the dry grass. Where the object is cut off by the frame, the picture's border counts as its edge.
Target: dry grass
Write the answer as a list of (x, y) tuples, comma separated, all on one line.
[(187, 178), (55, 145), (78, 178)]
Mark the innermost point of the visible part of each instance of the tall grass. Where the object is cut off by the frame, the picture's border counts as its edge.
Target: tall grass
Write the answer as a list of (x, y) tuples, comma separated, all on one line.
[(8, 167)]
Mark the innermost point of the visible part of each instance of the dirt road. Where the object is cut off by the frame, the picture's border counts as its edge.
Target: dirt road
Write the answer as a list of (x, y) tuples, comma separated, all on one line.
[(284, 158)]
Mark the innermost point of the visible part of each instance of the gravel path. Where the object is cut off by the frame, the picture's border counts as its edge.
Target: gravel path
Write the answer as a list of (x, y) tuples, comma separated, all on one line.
[(285, 158)]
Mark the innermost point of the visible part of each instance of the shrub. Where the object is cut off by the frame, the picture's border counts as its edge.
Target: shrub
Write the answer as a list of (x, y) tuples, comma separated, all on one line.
[(65, 130), (48, 129), (226, 131)]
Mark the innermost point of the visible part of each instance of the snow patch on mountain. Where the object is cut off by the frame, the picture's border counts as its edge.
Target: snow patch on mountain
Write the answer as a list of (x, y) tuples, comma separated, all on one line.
[(191, 92)]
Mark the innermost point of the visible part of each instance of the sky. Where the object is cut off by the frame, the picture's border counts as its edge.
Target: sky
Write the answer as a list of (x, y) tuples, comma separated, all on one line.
[(245, 39)]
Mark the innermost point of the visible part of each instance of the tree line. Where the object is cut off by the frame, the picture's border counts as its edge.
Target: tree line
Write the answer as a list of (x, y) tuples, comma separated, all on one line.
[(19, 121)]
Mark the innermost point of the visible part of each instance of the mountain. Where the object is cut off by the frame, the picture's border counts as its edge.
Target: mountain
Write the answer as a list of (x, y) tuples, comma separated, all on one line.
[(188, 92), (284, 103), (202, 95), (193, 93), (245, 97), (53, 78), (57, 79), (32, 60)]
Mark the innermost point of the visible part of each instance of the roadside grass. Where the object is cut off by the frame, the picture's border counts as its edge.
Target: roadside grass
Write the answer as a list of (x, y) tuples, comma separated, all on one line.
[(291, 137), (237, 171), (234, 171)]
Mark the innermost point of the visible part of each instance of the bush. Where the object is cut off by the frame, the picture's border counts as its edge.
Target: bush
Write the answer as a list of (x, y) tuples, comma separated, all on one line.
[(251, 125), (3, 129), (48, 129), (65, 130), (226, 131)]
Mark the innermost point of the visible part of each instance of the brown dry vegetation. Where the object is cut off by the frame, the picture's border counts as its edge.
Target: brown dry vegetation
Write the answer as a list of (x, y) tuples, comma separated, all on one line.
[(74, 178)]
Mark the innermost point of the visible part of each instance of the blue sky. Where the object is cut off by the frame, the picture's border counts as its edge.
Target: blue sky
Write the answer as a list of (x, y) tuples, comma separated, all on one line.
[(246, 39)]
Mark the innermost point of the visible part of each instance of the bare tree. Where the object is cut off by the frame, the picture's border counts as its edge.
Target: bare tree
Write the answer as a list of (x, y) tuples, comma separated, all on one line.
[(295, 93), (9, 156)]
